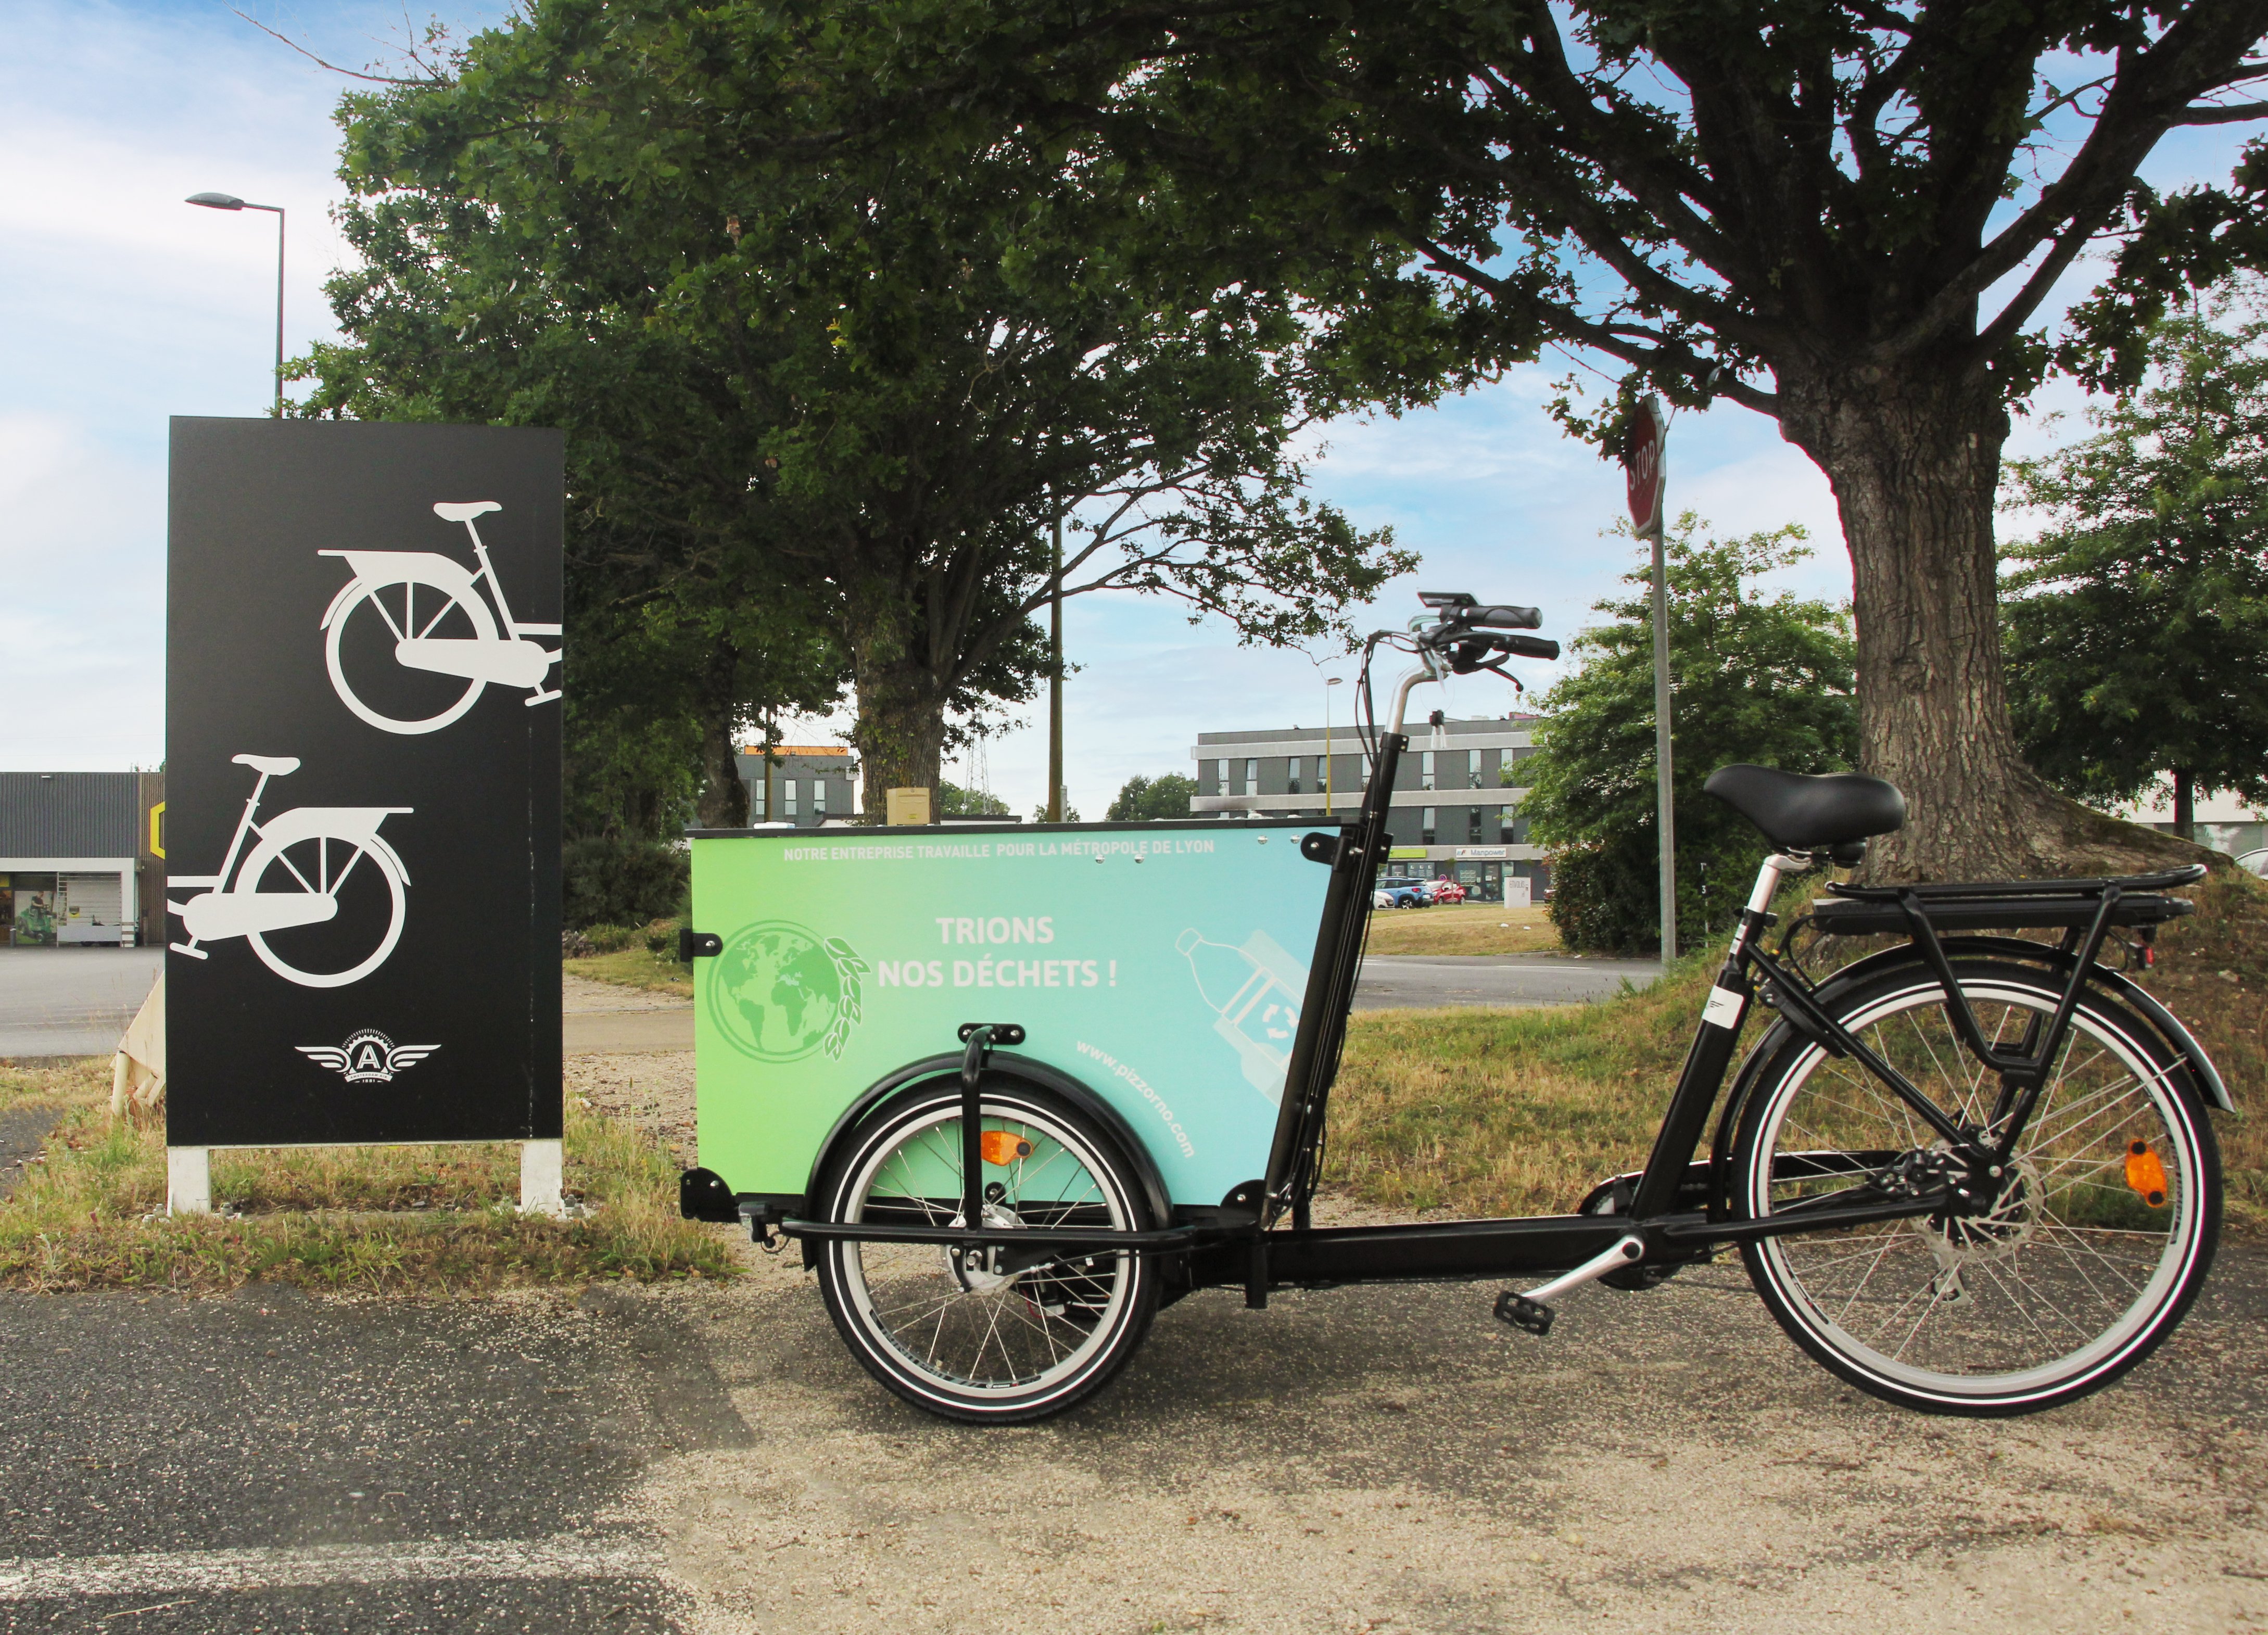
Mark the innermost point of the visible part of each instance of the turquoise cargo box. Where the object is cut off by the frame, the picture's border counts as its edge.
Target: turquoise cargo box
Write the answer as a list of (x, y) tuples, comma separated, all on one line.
[(1163, 966)]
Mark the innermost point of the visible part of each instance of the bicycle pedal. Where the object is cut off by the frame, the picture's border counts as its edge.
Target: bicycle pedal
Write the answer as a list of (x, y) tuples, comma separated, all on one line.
[(194, 953), (534, 699), (1517, 1309)]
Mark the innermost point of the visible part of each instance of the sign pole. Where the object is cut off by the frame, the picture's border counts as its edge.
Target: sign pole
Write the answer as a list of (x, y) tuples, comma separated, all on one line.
[(1647, 474)]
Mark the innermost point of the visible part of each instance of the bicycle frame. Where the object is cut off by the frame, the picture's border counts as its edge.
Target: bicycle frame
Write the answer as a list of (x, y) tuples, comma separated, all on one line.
[(1674, 1210), (244, 826), (512, 627)]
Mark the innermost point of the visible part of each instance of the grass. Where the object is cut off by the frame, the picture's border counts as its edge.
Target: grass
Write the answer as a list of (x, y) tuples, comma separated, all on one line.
[(634, 968), (633, 956), (1480, 1113), (1464, 928), (1483, 1112), (364, 1220)]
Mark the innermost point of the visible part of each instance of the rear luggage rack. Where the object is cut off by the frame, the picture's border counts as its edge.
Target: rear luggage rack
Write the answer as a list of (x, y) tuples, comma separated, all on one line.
[(1982, 905)]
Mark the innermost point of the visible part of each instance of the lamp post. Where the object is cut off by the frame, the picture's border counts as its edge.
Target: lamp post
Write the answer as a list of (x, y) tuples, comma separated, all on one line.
[(1644, 463), (230, 202), (1329, 682)]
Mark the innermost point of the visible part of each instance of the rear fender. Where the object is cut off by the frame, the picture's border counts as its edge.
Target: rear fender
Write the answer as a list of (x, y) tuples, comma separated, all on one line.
[(358, 824), (2204, 1078), (1002, 1063), (373, 568)]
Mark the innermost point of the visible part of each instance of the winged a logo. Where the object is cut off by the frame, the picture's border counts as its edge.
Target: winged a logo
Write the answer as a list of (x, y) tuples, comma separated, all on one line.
[(367, 1058)]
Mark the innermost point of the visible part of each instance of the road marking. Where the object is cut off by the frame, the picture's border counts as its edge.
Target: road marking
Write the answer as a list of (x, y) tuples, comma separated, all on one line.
[(561, 1557)]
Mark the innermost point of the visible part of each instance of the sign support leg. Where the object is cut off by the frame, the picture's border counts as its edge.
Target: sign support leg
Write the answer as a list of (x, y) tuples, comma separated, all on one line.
[(542, 1164), (188, 1180)]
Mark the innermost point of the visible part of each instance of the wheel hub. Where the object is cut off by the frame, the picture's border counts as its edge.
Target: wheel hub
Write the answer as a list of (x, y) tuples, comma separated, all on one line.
[(978, 1270), (2001, 1217)]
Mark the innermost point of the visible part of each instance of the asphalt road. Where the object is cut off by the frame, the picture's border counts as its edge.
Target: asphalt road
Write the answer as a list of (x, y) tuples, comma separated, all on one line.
[(71, 1001), (1422, 981), (711, 1460)]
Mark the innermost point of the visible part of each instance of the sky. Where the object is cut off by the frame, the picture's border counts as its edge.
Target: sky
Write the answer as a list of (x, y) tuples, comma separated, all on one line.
[(121, 305)]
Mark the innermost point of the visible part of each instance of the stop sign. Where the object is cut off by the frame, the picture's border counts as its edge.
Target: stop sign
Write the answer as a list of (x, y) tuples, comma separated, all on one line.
[(1642, 465)]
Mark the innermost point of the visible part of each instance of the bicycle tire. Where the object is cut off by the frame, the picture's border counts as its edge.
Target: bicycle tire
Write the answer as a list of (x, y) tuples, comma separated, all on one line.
[(2074, 1276), (267, 852), (908, 1312), (474, 610)]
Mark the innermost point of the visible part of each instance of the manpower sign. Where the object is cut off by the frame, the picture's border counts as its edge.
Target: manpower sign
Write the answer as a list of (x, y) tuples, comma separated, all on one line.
[(1162, 966), (362, 813)]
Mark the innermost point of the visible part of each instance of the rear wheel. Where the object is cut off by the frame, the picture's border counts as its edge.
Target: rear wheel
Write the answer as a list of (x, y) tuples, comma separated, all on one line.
[(2080, 1258), (1018, 1335)]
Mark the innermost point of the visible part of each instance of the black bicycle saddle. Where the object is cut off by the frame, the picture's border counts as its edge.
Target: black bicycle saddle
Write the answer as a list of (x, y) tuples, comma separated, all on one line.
[(1800, 812)]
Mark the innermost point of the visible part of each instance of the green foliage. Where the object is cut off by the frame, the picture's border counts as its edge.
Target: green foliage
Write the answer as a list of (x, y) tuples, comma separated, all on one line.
[(848, 397), (952, 801), (1150, 800), (2136, 625), (1755, 676)]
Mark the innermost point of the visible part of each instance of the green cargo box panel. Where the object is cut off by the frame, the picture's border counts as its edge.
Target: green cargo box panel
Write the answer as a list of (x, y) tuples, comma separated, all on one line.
[(1161, 966)]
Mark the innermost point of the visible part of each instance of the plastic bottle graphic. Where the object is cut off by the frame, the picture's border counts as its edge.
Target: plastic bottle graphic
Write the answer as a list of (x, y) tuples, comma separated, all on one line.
[(1257, 990)]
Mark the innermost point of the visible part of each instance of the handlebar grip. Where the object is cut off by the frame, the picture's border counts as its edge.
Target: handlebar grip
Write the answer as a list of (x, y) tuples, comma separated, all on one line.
[(1503, 618), (1530, 646)]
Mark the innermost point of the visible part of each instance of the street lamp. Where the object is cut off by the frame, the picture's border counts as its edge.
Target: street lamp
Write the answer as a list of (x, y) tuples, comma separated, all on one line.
[(230, 202), (1329, 683)]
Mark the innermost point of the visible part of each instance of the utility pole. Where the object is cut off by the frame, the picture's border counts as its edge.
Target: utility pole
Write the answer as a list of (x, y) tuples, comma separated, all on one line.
[(1055, 682), (1647, 473)]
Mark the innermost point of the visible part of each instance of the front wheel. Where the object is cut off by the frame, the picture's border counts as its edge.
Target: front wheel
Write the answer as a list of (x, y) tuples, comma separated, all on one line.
[(1017, 1335), (2086, 1254)]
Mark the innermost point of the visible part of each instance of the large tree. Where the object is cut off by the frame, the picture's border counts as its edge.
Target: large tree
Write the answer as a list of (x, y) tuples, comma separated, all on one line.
[(899, 372), (1848, 215), (2136, 622)]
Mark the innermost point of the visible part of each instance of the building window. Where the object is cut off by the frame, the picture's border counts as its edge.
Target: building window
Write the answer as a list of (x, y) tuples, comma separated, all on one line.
[(1292, 775), (787, 797), (1472, 826), (1473, 771), (756, 800), (1505, 829), (819, 797), (1425, 824), (1252, 777), (1425, 778)]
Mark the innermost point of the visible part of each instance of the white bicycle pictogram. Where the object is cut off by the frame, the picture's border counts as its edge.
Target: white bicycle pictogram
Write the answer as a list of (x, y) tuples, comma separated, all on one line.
[(293, 878), (453, 634)]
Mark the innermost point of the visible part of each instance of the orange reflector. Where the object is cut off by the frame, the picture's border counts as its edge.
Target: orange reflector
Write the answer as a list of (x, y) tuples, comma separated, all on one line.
[(1004, 1149), (2146, 1174)]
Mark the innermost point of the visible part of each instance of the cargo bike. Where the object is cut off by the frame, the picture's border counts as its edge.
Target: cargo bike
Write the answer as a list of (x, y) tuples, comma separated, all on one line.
[(1012, 1090)]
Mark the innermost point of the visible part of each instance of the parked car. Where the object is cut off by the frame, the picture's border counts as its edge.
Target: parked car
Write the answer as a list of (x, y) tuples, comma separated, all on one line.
[(2256, 860), (1448, 891), (1400, 893)]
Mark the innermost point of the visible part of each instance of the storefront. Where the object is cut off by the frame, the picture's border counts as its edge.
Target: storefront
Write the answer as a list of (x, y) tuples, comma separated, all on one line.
[(71, 845)]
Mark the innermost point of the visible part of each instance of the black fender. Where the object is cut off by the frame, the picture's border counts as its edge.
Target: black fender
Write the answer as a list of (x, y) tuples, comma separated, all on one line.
[(2205, 1080), (999, 1064)]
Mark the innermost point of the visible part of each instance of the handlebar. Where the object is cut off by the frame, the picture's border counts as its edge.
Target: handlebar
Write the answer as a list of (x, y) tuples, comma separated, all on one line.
[(1503, 619), (1529, 646)]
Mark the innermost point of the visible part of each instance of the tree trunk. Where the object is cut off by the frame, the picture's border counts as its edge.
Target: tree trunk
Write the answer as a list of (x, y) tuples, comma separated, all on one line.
[(723, 800), (2184, 804), (1914, 459), (901, 729)]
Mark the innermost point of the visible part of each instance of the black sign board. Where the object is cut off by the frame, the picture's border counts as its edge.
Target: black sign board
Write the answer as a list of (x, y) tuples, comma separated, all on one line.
[(362, 641)]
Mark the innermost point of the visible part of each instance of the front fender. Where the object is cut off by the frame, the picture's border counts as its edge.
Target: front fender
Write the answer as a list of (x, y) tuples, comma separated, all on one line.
[(1009, 1064)]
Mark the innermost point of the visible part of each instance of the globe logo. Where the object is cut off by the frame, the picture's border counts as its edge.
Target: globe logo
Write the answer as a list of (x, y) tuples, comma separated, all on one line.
[(780, 991)]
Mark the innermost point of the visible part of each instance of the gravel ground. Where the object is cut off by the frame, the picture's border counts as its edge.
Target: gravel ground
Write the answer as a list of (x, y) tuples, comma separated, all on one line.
[(1386, 1458)]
